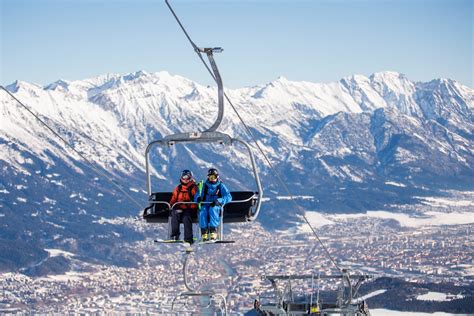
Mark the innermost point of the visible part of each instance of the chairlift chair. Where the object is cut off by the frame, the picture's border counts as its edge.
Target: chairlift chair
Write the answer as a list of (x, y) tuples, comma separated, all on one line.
[(283, 303), (245, 205)]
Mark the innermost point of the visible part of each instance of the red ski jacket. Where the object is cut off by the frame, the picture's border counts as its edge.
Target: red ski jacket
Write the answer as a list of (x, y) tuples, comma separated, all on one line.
[(184, 193)]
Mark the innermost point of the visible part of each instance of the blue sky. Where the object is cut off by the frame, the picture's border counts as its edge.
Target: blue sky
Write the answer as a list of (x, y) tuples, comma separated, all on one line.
[(318, 41)]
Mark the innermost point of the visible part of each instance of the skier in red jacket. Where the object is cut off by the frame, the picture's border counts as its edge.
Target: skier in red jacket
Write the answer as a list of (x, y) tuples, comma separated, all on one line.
[(183, 213)]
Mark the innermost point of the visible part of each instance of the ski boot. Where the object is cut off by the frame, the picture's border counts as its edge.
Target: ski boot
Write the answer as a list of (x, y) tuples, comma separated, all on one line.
[(213, 234), (204, 235)]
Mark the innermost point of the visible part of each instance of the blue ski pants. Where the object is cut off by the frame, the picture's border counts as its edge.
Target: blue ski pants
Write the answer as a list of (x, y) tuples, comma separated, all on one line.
[(209, 216)]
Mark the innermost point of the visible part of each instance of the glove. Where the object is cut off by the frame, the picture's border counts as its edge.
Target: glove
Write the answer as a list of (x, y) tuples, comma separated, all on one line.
[(216, 203), (199, 199)]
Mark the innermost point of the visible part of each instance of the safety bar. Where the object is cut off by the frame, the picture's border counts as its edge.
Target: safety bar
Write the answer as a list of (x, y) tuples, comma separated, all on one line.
[(172, 206)]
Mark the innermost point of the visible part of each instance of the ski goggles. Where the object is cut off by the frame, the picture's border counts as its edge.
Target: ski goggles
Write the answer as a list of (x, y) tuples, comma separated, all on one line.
[(212, 177), (186, 178)]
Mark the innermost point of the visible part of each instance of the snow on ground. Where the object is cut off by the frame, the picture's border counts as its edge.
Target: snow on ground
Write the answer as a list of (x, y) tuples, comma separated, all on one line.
[(68, 276), (18, 276), (442, 202), (54, 225), (123, 298), (396, 184), (49, 201), (59, 252), (387, 312), (436, 211), (372, 294), (58, 183), (438, 297), (430, 218), (316, 219), (296, 197), (113, 221), (468, 269)]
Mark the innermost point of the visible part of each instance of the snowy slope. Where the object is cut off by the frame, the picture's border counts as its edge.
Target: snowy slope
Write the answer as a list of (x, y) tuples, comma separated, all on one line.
[(385, 121), (336, 141), (124, 113)]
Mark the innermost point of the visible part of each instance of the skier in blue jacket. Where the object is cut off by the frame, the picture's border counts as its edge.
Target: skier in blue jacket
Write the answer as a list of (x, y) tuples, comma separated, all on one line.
[(215, 192)]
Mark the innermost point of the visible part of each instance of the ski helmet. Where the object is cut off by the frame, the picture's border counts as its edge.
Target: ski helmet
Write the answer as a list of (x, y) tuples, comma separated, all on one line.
[(186, 174), (213, 174)]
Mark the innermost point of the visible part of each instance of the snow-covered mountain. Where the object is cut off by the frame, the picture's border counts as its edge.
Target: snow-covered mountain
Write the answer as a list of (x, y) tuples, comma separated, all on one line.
[(359, 143)]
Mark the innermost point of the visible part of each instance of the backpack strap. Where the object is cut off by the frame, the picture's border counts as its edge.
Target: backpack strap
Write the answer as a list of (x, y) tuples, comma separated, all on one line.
[(190, 192), (219, 189), (219, 194), (205, 192)]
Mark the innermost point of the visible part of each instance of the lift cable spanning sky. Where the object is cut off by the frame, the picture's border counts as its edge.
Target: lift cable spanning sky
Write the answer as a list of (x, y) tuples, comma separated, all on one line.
[(284, 303), (275, 172)]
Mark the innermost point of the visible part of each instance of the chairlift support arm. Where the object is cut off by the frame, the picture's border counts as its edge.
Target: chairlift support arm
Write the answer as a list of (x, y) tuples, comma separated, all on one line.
[(209, 51), (220, 87)]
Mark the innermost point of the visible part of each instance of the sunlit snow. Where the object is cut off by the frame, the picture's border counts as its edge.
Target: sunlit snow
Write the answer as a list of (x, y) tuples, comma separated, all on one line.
[(438, 297)]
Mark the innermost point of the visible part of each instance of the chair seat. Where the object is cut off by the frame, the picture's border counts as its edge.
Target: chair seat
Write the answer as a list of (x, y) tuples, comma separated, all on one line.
[(234, 212)]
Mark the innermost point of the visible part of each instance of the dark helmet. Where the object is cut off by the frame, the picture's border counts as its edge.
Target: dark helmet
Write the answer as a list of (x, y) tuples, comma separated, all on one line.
[(186, 174), (213, 174)]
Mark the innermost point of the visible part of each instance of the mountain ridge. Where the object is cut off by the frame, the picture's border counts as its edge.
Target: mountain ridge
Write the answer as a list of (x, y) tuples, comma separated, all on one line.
[(340, 142)]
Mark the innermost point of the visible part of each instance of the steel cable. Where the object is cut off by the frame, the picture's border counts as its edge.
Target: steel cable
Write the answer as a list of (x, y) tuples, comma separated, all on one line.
[(72, 147), (275, 172)]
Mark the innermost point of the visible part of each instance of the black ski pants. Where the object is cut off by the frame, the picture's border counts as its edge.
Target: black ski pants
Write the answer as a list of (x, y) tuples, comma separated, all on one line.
[(184, 216)]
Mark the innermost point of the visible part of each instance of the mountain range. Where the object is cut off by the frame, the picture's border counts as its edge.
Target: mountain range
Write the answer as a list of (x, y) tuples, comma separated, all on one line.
[(358, 144)]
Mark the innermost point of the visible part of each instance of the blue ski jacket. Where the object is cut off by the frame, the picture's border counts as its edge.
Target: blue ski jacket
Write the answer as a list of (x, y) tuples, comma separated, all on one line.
[(215, 192)]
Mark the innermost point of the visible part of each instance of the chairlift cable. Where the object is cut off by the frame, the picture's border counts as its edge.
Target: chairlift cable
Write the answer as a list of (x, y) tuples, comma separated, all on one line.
[(195, 47), (72, 147), (275, 172)]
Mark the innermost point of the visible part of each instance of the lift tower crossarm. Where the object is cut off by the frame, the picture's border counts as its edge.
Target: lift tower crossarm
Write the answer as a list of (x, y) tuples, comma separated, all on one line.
[(309, 276)]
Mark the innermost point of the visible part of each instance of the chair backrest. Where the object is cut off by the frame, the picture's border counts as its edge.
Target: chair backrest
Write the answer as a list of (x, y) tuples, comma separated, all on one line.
[(158, 212), (240, 207), (234, 212)]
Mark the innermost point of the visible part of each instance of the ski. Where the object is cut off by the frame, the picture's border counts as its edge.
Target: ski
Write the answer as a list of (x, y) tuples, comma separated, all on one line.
[(216, 242), (172, 241), (169, 241)]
